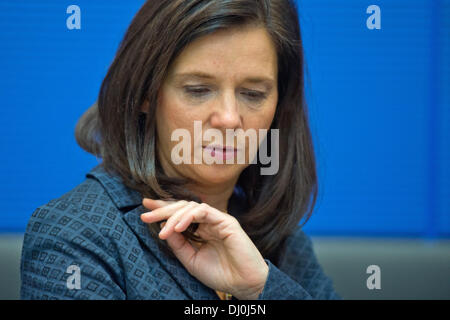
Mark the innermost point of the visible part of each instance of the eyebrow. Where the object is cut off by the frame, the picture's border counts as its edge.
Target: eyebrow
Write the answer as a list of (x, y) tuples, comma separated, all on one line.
[(203, 75)]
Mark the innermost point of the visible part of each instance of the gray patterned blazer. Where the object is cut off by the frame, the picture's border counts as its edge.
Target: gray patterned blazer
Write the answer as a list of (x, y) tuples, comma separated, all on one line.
[(96, 227)]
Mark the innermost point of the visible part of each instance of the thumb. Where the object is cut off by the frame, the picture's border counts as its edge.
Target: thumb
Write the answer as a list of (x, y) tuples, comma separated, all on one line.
[(182, 249)]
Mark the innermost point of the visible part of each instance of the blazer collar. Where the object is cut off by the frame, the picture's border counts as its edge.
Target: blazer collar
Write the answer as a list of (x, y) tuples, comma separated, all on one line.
[(124, 197), (121, 195)]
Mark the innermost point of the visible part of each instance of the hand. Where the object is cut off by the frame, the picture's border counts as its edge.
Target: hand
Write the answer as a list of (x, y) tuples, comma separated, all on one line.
[(228, 261)]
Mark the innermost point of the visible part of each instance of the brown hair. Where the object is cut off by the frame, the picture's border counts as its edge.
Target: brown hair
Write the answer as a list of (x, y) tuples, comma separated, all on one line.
[(116, 130)]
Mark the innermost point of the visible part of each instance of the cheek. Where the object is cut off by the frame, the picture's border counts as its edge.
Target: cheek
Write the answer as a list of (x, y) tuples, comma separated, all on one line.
[(170, 117), (163, 127), (174, 114), (261, 123), (264, 118)]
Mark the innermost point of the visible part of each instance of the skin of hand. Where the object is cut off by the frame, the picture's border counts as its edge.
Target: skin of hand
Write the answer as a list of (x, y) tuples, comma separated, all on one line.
[(228, 261)]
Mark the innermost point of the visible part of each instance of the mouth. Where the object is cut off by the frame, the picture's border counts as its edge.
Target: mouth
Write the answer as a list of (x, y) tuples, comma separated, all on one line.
[(224, 152)]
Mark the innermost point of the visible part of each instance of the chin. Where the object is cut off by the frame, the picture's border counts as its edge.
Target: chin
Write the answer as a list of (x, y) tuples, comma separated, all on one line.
[(219, 173)]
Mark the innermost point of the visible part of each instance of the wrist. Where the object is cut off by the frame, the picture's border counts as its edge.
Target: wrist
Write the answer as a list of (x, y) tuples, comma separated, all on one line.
[(254, 292)]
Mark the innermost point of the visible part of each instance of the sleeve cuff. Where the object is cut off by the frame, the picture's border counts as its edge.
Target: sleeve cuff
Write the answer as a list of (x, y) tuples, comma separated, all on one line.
[(279, 286)]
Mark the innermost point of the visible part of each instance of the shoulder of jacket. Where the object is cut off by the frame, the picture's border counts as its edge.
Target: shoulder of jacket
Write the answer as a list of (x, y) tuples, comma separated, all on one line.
[(299, 242), (86, 209)]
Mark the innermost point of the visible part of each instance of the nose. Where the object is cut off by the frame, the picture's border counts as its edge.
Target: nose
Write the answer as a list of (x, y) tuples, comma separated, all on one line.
[(226, 115)]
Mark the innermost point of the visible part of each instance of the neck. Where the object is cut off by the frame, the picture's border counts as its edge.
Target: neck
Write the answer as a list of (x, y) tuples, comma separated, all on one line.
[(215, 196)]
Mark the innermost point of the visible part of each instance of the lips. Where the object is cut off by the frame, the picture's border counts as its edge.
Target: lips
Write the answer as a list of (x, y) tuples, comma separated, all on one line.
[(224, 149), (224, 152)]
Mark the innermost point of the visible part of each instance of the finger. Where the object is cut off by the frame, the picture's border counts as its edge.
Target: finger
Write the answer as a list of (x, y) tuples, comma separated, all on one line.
[(221, 224), (175, 218), (207, 214), (162, 213), (154, 204), (200, 214), (184, 222), (182, 249)]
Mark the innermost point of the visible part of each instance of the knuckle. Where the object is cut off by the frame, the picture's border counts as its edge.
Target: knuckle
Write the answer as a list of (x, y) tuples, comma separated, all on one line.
[(234, 220), (204, 208)]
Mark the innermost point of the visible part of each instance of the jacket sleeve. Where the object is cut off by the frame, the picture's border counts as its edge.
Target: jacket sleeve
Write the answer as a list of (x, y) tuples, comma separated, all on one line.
[(64, 257), (300, 276)]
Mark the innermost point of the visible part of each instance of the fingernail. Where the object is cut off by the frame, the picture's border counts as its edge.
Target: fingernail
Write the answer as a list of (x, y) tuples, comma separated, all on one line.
[(163, 228)]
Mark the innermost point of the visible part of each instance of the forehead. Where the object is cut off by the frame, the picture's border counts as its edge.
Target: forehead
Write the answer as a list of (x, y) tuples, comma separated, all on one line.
[(247, 52)]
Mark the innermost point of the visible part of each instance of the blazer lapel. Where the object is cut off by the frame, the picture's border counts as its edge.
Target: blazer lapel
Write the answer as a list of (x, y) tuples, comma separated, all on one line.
[(193, 288), (129, 201)]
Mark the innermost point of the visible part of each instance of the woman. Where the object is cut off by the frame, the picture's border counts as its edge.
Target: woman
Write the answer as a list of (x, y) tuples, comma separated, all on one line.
[(229, 229)]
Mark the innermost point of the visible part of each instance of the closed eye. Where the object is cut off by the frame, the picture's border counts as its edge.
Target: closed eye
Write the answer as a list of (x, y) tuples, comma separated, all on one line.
[(255, 95), (197, 91), (251, 95)]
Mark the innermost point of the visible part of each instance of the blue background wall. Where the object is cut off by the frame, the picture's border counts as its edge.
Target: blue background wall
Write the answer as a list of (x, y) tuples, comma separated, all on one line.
[(379, 108)]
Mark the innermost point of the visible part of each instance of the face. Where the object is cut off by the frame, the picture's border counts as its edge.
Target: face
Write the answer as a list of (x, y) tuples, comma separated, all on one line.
[(226, 80)]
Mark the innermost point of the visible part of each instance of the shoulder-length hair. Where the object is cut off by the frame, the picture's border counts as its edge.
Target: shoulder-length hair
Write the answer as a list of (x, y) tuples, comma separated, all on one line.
[(116, 130)]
